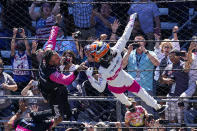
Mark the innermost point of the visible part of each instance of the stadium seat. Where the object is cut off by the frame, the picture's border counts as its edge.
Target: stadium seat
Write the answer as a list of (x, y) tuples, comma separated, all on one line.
[(166, 25)]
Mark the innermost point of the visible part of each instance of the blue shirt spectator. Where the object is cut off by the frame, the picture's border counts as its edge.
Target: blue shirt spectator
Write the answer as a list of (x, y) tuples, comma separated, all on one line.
[(62, 46), (102, 20), (146, 14), (141, 59), (81, 12), (141, 62), (101, 27)]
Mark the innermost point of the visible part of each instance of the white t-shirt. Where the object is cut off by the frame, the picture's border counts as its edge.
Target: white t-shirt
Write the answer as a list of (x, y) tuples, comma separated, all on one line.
[(160, 56), (193, 73)]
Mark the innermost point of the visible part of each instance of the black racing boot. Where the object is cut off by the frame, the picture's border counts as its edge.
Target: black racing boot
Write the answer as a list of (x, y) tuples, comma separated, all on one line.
[(162, 109)]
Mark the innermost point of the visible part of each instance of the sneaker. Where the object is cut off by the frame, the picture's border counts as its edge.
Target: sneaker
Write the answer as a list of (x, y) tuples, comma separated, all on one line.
[(162, 109)]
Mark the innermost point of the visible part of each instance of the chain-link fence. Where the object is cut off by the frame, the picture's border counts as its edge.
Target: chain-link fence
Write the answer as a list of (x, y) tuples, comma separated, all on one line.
[(160, 55)]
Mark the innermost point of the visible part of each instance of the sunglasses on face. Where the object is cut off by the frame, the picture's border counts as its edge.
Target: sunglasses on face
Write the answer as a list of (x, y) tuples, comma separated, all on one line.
[(166, 47)]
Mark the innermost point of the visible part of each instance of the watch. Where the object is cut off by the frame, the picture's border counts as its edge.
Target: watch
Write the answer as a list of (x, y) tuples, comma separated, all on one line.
[(147, 52)]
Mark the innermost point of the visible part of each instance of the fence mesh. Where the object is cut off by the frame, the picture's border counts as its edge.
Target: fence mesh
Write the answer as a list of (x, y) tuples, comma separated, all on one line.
[(168, 71)]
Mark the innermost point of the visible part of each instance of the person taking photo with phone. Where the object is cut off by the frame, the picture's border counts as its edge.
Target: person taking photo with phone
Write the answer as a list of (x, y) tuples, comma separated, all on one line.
[(140, 59)]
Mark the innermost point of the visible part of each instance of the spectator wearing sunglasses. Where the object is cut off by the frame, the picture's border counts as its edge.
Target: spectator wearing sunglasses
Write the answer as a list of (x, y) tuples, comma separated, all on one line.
[(140, 59), (161, 88), (162, 51)]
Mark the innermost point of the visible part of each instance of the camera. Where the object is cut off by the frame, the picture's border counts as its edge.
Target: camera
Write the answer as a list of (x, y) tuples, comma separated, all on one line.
[(20, 30), (164, 122), (181, 104), (135, 45), (180, 54), (77, 34), (34, 83), (65, 60)]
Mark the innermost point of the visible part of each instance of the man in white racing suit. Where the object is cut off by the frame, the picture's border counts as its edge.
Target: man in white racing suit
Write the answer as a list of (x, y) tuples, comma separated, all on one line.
[(111, 72)]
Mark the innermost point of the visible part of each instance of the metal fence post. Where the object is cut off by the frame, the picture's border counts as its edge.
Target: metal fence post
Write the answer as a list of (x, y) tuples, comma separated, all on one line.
[(118, 111)]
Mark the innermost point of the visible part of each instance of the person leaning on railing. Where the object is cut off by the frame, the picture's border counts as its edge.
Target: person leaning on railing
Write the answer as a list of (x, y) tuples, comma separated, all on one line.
[(136, 117), (32, 90), (7, 85), (29, 124)]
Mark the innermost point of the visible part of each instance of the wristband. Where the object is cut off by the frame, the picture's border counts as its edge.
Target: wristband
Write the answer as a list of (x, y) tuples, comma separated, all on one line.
[(114, 33)]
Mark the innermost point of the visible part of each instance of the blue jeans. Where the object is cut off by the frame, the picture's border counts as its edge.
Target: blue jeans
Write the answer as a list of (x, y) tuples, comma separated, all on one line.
[(189, 116)]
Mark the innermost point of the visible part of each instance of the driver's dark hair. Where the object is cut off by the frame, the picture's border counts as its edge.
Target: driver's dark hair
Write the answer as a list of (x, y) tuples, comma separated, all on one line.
[(47, 56)]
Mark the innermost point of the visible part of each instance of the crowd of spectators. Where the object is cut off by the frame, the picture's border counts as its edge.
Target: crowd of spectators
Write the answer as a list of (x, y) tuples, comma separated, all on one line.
[(161, 68)]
